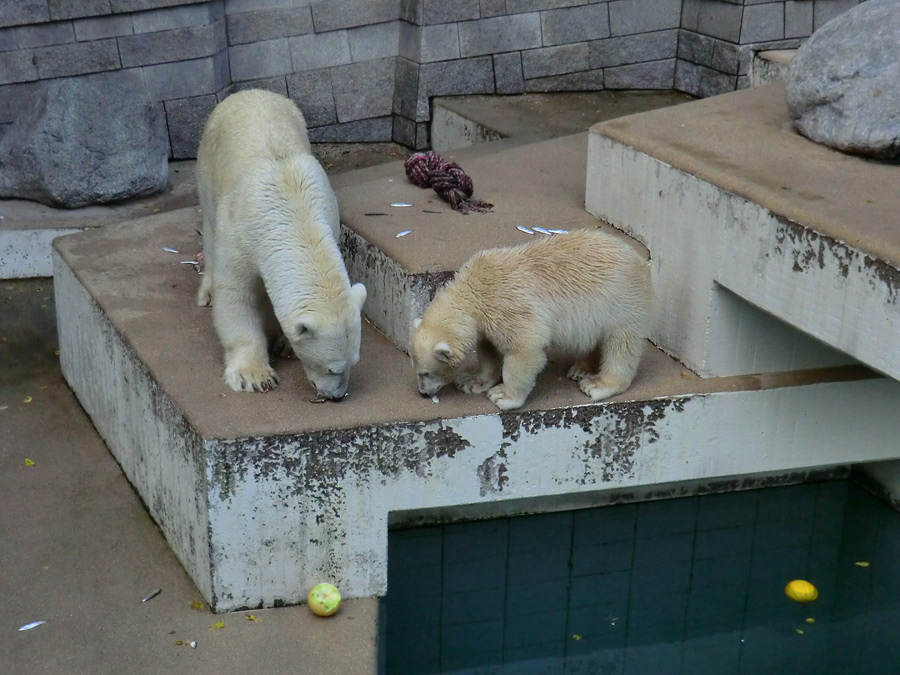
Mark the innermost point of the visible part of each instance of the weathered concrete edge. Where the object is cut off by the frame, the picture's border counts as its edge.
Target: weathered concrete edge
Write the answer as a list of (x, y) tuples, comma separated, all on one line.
[(728, 239), (156, 448), (25, 254), (340, 487)]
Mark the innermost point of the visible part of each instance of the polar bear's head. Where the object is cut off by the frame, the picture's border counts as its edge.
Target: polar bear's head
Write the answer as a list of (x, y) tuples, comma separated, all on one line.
[(436, 355), (328, 345)]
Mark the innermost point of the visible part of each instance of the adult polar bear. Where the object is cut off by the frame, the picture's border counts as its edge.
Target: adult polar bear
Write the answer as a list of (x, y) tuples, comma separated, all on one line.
[(270, 223)]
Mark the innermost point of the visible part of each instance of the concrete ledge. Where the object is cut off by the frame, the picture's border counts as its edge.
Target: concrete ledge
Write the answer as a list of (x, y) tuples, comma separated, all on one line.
[(260, 495), (27, 228), (727, 195)]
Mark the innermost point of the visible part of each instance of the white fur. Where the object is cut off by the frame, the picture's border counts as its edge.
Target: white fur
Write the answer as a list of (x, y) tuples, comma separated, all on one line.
[(586, 294), (270, 223)]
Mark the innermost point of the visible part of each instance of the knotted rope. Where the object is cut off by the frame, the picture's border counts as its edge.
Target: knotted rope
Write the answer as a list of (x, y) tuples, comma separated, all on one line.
[(426, 169)]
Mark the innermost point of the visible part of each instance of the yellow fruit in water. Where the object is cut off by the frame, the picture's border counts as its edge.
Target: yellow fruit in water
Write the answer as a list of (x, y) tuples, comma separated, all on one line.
[(799, 590), (324, 599)]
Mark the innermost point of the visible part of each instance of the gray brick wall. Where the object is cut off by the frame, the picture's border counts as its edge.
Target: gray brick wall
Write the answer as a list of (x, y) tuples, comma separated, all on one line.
[(368, 69)]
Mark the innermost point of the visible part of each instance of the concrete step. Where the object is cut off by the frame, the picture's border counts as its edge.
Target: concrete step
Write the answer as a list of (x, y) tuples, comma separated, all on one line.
[(260, 495), (540, 184), (747, 220)]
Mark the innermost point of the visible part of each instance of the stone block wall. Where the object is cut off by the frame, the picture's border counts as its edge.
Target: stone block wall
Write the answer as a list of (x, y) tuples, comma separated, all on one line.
[(366, 70)]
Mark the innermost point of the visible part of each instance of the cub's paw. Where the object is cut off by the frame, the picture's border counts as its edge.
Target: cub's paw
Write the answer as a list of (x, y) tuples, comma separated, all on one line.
[(474, 383), (599, 388), (260, 378), (577, 372), (503, 399), (282, 347)]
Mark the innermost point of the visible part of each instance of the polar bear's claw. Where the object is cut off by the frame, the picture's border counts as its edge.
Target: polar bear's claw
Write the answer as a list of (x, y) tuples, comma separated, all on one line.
[(599, 388), (252, 379), (282, 347), (474, 384), (577, 373), (502, 398)]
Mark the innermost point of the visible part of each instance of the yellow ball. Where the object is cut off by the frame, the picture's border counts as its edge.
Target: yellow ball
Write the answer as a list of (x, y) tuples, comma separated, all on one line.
[(324, 599), (799, 590)]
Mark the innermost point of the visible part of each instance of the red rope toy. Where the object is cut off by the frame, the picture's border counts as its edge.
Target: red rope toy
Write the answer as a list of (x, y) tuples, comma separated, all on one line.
[(426, 169)]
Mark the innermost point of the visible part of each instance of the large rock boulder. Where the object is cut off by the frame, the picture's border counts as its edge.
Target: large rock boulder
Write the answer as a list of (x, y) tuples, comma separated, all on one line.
[(86, 140), (843, 85)]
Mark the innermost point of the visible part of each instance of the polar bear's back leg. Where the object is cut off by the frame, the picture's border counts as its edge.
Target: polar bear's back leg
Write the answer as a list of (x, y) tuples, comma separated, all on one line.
[(620, 355), (239, 318)]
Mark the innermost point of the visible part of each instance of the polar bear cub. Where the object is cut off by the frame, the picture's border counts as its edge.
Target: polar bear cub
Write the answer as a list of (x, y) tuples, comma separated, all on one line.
[(270, 223), (585, 294)]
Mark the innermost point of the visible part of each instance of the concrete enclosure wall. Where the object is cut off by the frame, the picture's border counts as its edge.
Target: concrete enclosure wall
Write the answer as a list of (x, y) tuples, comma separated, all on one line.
[(365, 70)]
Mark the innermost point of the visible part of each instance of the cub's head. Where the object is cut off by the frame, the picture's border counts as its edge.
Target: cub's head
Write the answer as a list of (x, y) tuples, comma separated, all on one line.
[(328, 345), (435, 356)]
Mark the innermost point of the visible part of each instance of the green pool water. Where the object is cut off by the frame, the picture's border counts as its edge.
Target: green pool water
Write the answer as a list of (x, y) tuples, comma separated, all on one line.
[(681, 586)]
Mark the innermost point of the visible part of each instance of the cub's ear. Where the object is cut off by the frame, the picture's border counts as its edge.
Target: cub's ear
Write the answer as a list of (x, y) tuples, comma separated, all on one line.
[(358, 293), (304, 327), (416, 323), (443, 352)]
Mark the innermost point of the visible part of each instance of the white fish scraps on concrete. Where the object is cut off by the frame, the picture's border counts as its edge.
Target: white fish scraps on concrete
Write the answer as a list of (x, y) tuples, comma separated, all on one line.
[(558, 231), (435, 399), (151, 595), (542, 230), (401, 205), (402, 234), (170, 250), (524, 229), (33, 624)]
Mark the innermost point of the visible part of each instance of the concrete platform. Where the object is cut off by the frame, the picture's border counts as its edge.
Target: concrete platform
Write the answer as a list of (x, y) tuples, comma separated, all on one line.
[(259, 496), (742, 214)]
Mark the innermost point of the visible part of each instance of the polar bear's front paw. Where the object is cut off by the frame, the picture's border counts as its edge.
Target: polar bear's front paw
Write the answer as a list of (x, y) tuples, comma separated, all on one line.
[(476, 383), (503, 399), (282, 347), (600, 388), (261, 378)]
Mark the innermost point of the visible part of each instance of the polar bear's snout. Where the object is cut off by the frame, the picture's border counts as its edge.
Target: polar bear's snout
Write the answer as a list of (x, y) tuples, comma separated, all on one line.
[(332, 386)]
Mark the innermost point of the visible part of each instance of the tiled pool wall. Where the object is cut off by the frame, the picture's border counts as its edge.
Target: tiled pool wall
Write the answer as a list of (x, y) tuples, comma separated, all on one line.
[(366, 70), (692, 585)]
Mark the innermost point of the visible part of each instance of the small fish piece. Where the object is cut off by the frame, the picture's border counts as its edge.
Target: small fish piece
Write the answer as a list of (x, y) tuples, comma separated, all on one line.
[(193, 644), (152, 595), (435, 399), (318, 399), (558, 231), (524, 229), (402, 234), (169, 250), (401, 205), (33, 624), (542, 230), (861, 563)]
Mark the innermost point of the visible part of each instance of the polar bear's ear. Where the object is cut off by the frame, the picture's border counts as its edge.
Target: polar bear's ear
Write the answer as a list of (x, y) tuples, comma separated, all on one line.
[(416, 323), (358, 293), (443, 352), (304, 327)]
